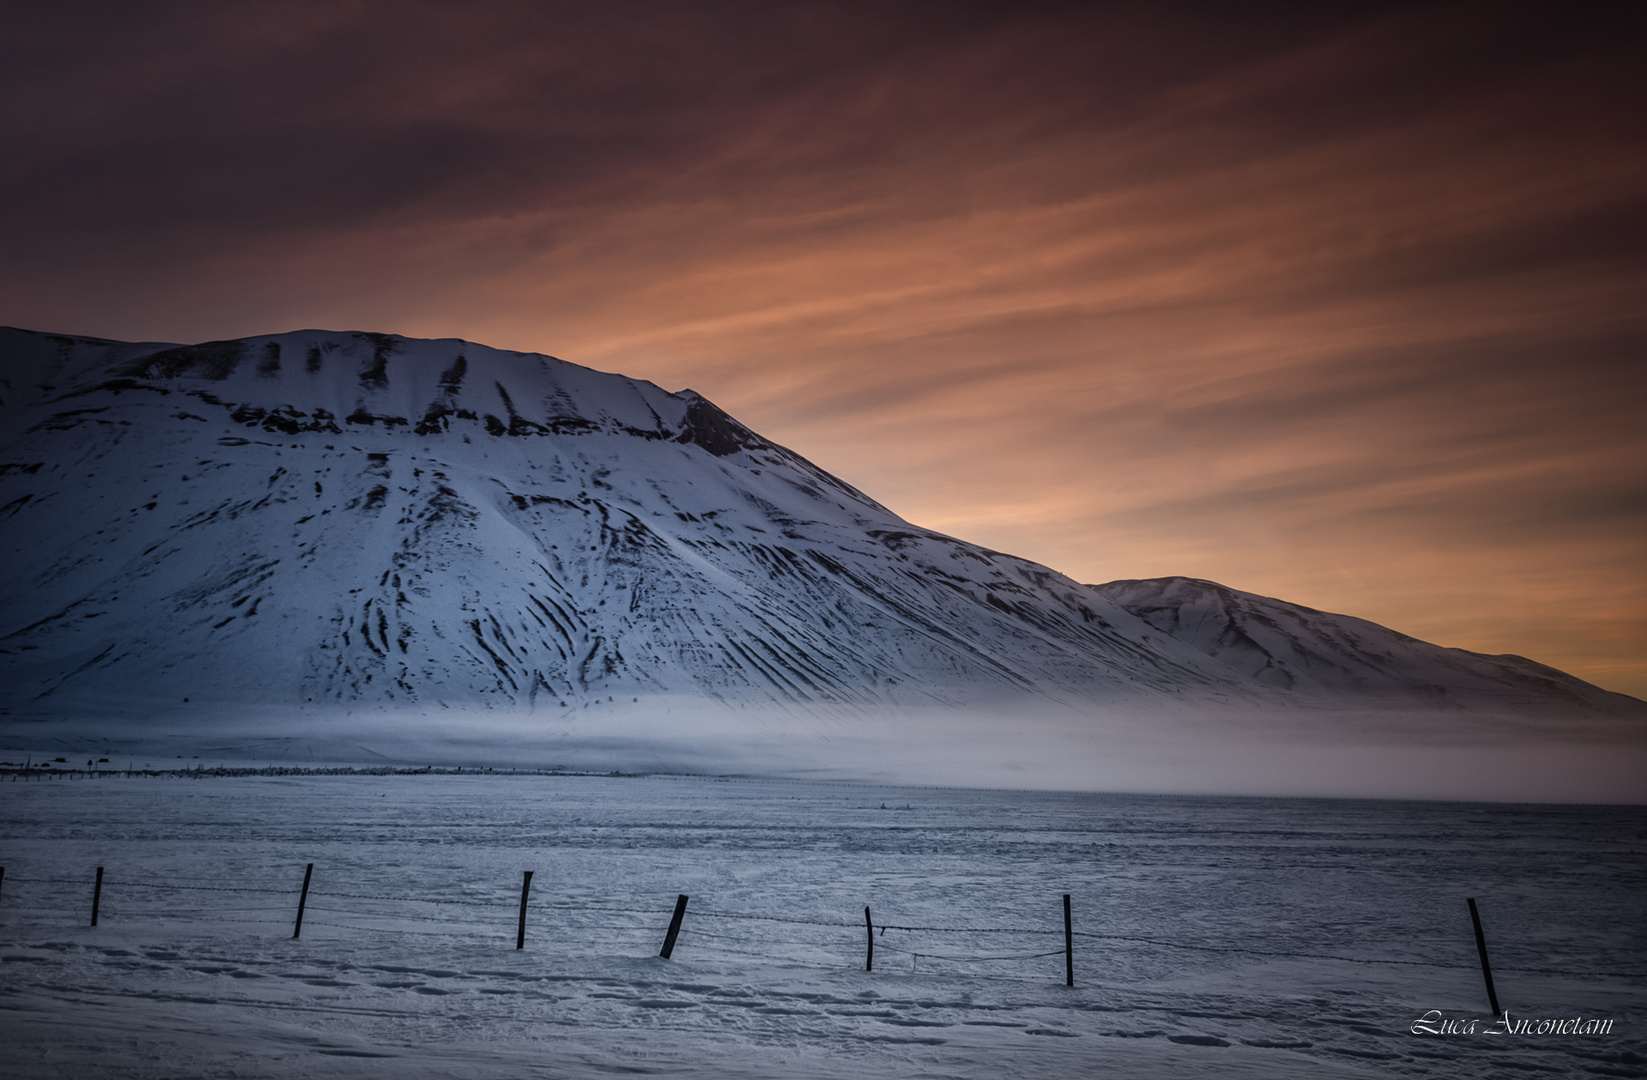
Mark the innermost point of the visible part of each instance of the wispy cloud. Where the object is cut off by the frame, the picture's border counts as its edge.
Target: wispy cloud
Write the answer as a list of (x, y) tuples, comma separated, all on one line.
[(1344, 307)]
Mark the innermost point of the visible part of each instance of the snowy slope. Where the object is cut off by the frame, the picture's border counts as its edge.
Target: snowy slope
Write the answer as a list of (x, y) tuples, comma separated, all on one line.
[(357, 519), (1299, 649), (347, 517)]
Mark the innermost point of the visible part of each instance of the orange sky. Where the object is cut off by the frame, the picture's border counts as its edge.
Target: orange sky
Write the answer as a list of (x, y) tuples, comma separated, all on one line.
[(1345, 309)]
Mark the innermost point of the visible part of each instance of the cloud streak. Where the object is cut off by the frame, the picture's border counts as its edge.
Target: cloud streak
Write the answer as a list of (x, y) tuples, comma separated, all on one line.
[(1341, 307)]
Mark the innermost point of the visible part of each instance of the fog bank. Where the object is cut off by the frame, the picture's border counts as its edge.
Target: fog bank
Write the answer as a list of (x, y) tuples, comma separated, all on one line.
[(1304, 752)]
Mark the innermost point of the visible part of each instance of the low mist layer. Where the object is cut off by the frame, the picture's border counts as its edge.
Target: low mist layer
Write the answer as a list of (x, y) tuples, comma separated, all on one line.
[(1143, 749)]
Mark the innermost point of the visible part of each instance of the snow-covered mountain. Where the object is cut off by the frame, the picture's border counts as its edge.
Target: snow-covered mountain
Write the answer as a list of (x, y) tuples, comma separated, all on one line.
[(1309, 652), (321, 519)]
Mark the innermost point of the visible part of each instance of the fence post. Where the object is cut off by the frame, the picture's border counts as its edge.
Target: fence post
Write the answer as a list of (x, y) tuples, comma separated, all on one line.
[(1069, 945), (674, 927), (1481, 948), (302, 900), (525, 888), (869, 927), (97, 895)]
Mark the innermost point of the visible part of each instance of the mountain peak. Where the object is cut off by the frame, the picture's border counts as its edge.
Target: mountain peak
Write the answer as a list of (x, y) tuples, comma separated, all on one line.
[(362, 519)]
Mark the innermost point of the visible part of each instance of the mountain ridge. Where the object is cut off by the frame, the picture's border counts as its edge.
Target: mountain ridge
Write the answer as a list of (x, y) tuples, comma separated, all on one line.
[(359, 519), (1240, 628)]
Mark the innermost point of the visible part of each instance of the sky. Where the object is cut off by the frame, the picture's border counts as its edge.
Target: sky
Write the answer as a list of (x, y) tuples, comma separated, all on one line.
[(1342, 304)]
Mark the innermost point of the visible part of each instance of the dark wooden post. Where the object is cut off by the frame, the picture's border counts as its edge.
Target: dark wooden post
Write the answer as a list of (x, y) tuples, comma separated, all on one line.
[(303, 900), (97, 895), (1069, 945), (525, 888), (674, 927), (1481, 948), (869, 928)]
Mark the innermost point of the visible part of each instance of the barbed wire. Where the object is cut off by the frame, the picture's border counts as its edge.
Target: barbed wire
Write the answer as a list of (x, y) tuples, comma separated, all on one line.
[(710, 914), (697, 933), (627, 929), (963, 929), (50, 881), (399, 929), (970, 959), (108, 881), (396, 915), (507, 902), (411, 899), (789, 960)]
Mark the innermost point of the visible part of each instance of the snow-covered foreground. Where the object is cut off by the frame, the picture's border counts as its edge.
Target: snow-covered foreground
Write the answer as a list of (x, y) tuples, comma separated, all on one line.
[(407, 967)]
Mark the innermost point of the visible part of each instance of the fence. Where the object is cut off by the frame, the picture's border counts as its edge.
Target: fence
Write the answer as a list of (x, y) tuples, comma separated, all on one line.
[(344, 905)]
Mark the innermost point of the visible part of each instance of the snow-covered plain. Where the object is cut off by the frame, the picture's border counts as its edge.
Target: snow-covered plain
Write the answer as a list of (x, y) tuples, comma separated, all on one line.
[(407, 966)]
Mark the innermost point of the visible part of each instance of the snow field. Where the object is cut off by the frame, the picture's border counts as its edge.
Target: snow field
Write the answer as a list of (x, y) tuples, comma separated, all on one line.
[(407, 966)]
